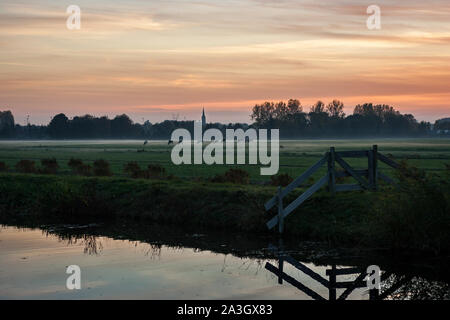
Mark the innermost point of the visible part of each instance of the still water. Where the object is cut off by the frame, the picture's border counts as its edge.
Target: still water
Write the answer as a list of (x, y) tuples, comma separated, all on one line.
[(135, 262)]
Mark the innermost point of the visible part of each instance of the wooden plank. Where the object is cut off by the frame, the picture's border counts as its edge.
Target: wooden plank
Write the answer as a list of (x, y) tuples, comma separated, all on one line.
[(350, 289), (343, 271), (294, 282), (348, 187), (343, 174), (375, 166), (297, 182), (347, 168), (370, 170), (388, 161), (294, 204), (300, 266), (308, 193), (280, 267), (397, 285), (374, 294), (348, 284), (331, 171), (352, 154), (332, 286), (280, 212)]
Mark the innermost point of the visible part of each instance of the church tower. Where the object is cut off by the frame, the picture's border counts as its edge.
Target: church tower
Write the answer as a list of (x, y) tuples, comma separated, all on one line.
[(203, 119)]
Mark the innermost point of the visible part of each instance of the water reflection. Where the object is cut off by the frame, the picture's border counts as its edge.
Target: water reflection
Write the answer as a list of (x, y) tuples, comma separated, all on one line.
[(389, 283), (314, 270)]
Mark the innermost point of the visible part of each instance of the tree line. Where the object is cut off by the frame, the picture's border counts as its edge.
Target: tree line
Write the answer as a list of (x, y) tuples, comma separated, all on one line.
[(329, 120), (321, 121), (90, 127)]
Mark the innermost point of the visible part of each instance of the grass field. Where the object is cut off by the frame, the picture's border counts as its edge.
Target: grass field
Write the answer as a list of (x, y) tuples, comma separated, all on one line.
[(295, 156)]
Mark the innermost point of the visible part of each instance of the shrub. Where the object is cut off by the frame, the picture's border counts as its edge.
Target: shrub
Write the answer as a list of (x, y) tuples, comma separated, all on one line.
[(282, 179), (74, 164), (25, 166), (417, 214), (155, 171), (49, 166), (133, 169), (152, 171), (3, 166), (83, 170), (101, 168), (236, 176)]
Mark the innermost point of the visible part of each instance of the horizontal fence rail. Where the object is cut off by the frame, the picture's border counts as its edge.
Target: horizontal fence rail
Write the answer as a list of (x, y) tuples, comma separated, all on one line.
[(297, 182), (367, 179)]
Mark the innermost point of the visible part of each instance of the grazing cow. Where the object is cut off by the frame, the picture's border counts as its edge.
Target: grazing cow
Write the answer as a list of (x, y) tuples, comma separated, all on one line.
[(170, 142)]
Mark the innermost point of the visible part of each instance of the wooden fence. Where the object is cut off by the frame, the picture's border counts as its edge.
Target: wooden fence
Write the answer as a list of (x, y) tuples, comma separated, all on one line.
[(332, 283), (366, 180)]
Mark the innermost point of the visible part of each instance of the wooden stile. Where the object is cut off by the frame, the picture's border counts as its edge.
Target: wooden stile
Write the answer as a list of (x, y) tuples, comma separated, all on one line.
[(371, 174)]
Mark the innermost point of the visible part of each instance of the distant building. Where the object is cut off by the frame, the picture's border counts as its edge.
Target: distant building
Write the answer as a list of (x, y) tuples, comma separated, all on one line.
[(203, 119)]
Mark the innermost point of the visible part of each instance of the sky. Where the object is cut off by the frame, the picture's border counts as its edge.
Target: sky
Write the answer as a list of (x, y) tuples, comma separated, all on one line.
[(167, 59)]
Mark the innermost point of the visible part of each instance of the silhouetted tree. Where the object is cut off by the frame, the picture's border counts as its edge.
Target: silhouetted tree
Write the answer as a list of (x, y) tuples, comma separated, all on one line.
[(263, 113), (336, 109), (442, 124), (59, 126), (318, 107), (121, 126), (6, 124)]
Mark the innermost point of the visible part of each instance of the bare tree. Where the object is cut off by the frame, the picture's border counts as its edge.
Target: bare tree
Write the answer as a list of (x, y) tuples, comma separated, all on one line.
[(336, 109), (318, 107)]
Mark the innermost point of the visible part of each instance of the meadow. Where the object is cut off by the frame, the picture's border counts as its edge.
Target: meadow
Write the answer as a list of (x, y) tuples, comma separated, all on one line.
[(295, 155)]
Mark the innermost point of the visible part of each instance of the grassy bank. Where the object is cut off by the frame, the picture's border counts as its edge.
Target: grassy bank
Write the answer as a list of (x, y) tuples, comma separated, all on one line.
[(415, 219), (215, 205)]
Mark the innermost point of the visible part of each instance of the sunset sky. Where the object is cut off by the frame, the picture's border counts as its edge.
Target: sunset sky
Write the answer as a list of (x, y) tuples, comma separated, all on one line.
[(158, 58)]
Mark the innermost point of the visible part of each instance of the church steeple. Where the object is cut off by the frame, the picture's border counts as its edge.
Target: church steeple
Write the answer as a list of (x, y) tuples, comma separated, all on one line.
[(203, 119)]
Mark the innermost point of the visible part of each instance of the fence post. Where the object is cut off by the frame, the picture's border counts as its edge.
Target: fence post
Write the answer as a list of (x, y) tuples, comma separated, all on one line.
[(332, 284), (374, 294), (370, 172), (375, 166), (280, 212), (331, 171)]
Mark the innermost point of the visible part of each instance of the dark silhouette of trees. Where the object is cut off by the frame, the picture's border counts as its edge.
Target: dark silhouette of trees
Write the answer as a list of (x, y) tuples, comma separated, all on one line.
[(263, 113), (442, 124), (336, 109), (294, 106), (59, 126), (318, 107), (83, 126), (322, 121), (90, 127), (330, 120), (121, 126), (6, 124)]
